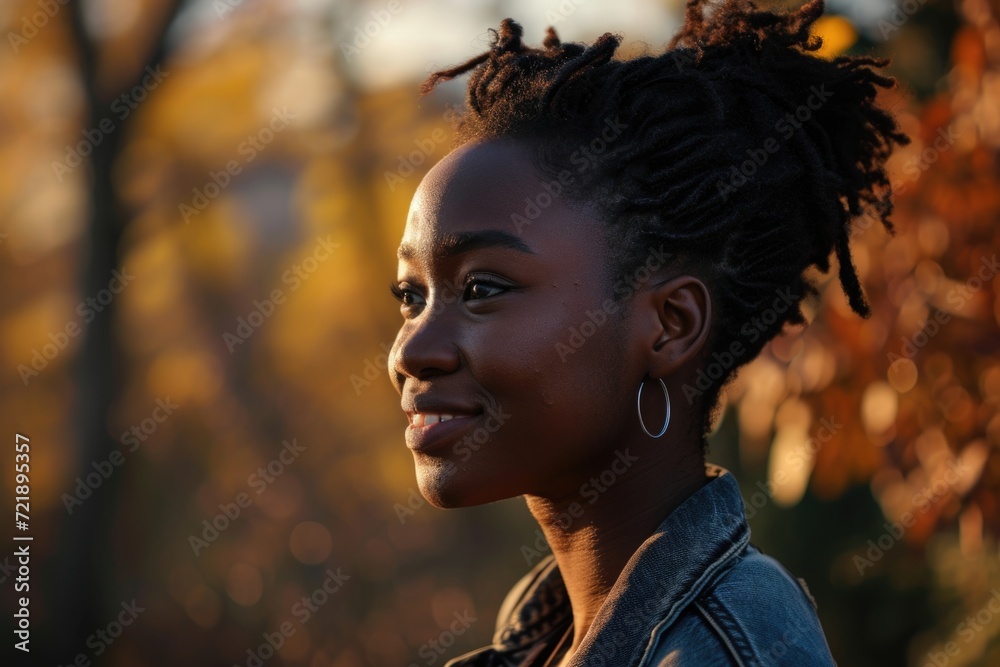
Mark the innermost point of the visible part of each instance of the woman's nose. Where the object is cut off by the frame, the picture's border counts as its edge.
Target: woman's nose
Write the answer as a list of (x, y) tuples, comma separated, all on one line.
[(425, 346)]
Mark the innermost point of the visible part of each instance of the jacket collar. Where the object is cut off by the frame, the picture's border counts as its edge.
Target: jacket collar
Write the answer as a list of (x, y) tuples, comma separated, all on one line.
[(696, 541)]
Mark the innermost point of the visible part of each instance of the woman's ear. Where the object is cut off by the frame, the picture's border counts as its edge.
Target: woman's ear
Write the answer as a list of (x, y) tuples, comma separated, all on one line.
[(681, 323)]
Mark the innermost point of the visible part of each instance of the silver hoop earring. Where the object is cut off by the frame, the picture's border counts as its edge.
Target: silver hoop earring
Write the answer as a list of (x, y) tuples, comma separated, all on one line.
[(638, 403)]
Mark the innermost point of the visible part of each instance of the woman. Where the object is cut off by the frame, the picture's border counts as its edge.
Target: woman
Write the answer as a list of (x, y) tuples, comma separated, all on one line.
[(605, 227)]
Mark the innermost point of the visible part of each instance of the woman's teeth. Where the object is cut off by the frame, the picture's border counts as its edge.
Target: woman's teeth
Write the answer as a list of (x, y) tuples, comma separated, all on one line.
[(427, 420)]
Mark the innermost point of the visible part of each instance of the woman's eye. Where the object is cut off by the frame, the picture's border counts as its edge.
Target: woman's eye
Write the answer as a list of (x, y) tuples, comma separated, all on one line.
[(403, 295), (480, 289), (475, 290)]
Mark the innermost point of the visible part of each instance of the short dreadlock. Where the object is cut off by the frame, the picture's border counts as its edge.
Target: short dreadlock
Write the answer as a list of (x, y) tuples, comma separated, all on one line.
[(743, 154)]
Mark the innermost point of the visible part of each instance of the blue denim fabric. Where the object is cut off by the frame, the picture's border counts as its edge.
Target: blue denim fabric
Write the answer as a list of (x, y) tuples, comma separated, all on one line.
[(695, 594)]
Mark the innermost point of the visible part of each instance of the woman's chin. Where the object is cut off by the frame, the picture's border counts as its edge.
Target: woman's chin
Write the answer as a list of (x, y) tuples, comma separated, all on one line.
[(448, 487)]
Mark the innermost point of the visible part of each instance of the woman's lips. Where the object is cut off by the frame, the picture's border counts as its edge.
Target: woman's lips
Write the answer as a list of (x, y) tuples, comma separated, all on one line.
[(433, 436)]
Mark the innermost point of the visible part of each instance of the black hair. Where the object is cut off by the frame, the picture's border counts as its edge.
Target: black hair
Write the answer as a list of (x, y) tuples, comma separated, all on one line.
[(740, 152)]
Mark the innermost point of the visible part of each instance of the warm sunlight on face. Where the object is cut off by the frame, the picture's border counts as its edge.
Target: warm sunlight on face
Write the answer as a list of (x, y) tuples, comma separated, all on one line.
[(489, 308)]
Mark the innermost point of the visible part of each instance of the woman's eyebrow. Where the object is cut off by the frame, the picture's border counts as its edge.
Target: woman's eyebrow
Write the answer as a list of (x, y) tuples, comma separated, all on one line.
[(455, 244)]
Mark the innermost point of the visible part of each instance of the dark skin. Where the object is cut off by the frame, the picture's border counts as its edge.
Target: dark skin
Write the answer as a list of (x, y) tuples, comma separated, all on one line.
[(570, 415)]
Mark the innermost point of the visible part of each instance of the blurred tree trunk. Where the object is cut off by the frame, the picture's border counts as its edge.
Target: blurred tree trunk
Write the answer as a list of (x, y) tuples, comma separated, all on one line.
[(79, 603)]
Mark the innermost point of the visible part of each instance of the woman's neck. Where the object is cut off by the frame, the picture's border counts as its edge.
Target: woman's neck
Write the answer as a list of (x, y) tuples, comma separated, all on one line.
[(594, 531)]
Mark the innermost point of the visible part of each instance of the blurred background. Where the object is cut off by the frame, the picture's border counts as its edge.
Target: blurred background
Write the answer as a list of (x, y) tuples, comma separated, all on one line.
[(200, 204)]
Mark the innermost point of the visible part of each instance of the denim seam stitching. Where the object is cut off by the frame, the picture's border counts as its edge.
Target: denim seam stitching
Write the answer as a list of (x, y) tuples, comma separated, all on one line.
[(712, 572), (729, 624), (722, 635)]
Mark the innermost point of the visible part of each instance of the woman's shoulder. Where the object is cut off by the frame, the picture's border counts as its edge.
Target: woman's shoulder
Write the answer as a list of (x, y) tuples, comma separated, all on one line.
[(755, 612), (772, 584)]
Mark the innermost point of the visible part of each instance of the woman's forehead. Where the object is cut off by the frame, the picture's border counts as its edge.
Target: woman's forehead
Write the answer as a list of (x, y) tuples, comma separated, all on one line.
[(475, 174), (489, 195), (488, 184)]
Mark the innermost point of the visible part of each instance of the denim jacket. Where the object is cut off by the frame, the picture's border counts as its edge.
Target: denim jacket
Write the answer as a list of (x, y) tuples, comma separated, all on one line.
[(695, 594)]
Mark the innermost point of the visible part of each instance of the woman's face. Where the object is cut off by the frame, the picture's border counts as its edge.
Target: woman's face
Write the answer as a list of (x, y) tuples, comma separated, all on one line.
[(506, 320)]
